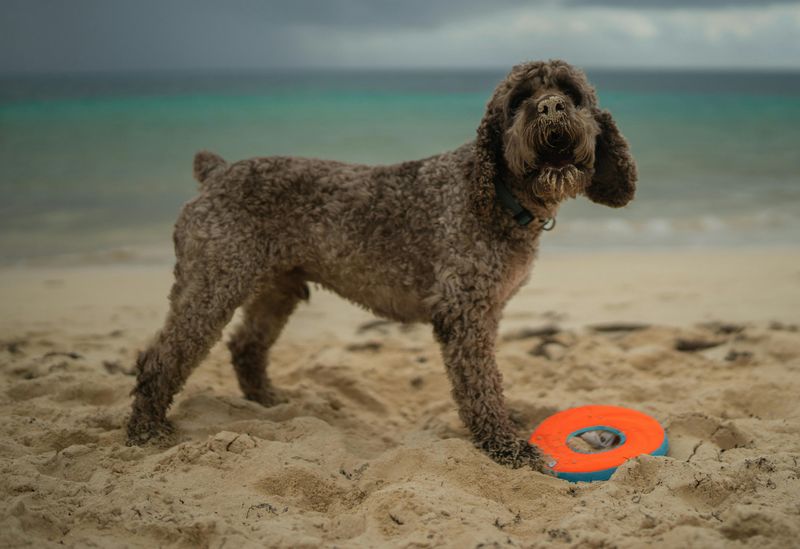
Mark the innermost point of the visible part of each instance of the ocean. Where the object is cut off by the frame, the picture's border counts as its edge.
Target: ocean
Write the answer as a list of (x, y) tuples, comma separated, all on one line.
[(98, 166)]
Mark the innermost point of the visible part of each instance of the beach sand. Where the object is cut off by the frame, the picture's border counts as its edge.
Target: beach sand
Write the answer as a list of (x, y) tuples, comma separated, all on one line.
[(369, 451)]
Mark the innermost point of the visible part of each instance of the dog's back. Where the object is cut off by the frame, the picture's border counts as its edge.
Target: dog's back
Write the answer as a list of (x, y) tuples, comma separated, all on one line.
[(372, 234)]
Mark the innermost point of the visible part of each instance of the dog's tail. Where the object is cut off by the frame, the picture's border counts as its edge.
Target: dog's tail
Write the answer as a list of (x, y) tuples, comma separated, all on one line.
[(206, 164)]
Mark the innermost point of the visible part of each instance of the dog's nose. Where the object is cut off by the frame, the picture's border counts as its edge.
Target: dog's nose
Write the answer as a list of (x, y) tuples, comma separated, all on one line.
[(551, 105)]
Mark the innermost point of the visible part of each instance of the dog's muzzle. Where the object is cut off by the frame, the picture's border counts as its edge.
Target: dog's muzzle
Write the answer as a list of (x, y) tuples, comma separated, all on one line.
[(559, 175), (555, 147), (558, 139)]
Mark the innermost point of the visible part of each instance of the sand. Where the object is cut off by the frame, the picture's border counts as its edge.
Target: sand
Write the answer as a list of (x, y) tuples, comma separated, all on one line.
[(369, 452)]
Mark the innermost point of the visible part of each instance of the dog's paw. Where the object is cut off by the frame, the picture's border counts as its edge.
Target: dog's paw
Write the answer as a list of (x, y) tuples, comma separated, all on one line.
[(143, 431), (268, 397), (515, 454)]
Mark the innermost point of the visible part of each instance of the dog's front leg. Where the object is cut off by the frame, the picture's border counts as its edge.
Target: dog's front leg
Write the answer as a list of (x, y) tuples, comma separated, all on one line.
[(467, 337)]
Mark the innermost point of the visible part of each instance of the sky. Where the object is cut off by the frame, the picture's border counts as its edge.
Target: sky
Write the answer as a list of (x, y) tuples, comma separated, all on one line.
[(57, 36)]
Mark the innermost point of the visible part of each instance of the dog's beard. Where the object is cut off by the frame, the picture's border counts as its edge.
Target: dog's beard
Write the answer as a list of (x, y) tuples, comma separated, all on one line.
[(555, 184), (556, 169)]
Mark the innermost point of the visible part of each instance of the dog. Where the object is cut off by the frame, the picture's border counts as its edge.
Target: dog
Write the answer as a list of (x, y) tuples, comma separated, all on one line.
[(446, 240)]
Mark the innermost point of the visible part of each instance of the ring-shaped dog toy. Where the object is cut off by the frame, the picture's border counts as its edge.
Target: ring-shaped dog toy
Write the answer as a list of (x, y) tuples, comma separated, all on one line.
[(638, 434)]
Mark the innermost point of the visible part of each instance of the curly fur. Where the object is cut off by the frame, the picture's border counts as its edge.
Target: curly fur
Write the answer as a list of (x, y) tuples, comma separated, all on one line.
[(419, 241)]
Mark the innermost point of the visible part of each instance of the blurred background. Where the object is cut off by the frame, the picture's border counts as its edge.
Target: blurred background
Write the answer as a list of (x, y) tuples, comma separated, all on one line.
[(103, 104)]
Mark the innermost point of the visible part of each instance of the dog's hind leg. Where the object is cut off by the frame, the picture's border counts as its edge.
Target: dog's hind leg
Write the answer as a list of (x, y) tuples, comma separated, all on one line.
[(265, 315), (204, 297)]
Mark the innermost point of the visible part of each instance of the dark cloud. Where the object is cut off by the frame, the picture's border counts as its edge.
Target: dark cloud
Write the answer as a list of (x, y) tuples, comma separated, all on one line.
[(374, 13), (47, 35), (120, 35), (41, 35)]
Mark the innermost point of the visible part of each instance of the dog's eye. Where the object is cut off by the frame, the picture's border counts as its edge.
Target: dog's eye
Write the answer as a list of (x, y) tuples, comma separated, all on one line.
[(516, 100), (574, 94), (518, 96)]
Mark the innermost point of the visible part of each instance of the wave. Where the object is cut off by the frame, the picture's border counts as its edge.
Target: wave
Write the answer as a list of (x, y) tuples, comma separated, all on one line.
[(765, 227)]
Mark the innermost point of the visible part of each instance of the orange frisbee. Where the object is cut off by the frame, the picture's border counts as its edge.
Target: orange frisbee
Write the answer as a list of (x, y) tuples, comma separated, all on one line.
[(638, 434)]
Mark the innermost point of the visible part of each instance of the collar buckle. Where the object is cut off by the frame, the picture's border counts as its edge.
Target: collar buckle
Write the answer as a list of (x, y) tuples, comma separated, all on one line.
[(549, 224)]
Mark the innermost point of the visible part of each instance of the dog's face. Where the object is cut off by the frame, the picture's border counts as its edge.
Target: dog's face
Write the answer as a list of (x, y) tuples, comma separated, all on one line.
[(550, 134), (544, 125)]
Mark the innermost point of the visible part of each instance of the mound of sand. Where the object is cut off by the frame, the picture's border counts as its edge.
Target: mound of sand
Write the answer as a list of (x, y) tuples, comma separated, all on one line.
[(369, 451)]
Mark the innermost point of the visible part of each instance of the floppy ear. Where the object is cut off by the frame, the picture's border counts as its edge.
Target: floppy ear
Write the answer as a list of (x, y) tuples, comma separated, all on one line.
[(489, 162), (614, 181), (488, 158)]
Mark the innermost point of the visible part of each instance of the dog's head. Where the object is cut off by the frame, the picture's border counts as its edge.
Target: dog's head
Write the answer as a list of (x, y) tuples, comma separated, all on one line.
[(543, 128)]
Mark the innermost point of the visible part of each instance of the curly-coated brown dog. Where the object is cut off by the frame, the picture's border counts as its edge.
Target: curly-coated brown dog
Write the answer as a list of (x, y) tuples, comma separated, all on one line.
[(445, 240)]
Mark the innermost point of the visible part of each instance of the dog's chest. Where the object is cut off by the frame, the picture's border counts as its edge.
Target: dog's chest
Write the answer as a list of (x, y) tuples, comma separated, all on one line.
[(515, 273)]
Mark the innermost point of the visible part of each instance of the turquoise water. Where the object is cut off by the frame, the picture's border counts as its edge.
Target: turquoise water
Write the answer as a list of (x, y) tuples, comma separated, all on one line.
[(103, 163)]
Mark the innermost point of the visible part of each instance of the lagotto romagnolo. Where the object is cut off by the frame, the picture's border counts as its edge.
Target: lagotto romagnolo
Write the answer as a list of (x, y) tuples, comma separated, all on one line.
[(446, 240)]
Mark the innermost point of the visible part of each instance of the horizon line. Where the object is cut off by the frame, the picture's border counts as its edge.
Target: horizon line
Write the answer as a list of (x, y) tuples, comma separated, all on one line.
[(366, 69)]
